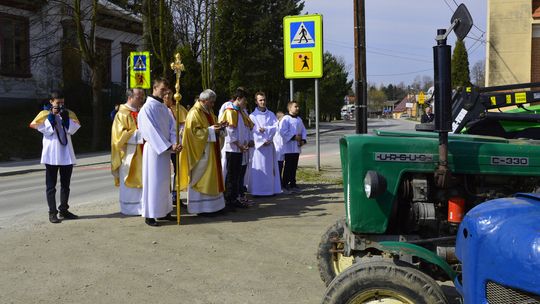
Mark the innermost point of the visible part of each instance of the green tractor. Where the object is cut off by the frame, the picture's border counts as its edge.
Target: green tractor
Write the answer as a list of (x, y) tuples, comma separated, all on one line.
[(407, 192)]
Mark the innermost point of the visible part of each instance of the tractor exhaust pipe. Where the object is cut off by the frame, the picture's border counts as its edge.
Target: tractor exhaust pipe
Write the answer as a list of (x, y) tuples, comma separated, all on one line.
[(442, 61)]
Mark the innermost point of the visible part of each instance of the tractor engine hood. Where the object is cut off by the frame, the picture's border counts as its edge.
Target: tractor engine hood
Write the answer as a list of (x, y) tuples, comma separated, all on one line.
[(499, 241)]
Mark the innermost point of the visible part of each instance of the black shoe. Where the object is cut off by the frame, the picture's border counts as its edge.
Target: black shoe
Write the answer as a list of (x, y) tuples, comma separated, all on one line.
[(173, 195), (239, 204), (54, 219), (66, 215), (229, 208), (151, 222), (168, 217)]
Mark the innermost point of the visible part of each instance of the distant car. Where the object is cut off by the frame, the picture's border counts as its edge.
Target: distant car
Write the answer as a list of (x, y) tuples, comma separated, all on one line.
[(405, 116), (345, 115)]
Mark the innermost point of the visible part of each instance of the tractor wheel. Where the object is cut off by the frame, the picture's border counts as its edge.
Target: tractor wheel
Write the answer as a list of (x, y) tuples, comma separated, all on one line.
[(332, 263), (383, 282)]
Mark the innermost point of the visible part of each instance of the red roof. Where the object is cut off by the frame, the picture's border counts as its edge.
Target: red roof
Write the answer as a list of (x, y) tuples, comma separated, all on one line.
[(401, 106)]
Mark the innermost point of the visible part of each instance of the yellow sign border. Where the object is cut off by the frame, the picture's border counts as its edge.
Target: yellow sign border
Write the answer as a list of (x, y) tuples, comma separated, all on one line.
[(317, 50), (133, 74)]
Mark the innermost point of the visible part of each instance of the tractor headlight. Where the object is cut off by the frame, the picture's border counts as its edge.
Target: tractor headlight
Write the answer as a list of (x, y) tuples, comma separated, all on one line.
[(374, 184)]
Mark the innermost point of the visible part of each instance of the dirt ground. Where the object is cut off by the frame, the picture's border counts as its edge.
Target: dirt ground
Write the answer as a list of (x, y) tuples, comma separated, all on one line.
[(266, 254)]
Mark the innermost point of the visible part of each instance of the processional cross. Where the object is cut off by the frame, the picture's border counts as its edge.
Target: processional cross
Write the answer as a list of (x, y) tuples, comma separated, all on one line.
[(178, 67)]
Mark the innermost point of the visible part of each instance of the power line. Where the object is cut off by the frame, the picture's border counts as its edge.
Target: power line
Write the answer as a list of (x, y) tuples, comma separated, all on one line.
[(401, 57), (449, 7), (475, 42), (400, 74), (477, 47), (474, 25), (384, 54), (344, 44)]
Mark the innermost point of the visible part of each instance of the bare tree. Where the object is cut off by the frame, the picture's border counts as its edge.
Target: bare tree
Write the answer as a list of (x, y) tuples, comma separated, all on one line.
[(193, 24), (158, 32), (86, 36), (479, 73)]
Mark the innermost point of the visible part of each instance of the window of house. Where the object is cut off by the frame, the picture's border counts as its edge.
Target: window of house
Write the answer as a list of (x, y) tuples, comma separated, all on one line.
[(103, 48), (126, 49), (14, 46)]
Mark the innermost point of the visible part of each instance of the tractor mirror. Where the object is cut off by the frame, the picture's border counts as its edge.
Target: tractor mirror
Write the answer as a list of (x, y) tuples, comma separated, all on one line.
[(462, 20)]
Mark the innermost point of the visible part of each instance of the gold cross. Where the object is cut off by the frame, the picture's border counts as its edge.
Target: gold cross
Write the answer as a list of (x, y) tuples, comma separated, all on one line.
[(177, 66)]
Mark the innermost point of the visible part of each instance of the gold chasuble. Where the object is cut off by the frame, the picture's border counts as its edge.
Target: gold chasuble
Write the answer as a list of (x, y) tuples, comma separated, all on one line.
[(183, 114), (230, 115), (123, 127), (194, 143), (42, 116)]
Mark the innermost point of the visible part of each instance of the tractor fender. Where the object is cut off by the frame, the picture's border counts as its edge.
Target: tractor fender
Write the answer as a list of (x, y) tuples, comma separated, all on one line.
[(420, 252)]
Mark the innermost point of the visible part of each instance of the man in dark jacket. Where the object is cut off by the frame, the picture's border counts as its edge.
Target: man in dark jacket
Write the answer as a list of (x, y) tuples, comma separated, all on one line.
[(427, 116)]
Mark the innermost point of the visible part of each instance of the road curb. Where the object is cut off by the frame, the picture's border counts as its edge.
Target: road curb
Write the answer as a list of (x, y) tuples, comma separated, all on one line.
[(26, 171), (326, 131)]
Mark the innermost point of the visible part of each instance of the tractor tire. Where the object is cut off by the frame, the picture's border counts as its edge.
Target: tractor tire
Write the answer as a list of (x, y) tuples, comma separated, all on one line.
[(331, 264), (383, 282)]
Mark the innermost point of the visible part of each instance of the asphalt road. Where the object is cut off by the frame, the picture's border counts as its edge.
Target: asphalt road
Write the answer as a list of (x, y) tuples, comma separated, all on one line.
[(329, 142), (25, 193)]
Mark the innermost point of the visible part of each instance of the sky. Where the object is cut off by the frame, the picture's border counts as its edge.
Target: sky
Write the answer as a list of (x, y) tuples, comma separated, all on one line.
[(400, 35)]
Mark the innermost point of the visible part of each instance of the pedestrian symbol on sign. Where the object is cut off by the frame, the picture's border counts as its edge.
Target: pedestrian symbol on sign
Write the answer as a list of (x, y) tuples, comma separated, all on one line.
[(302, 34), (140, 63), (139, 79), (302, 62)]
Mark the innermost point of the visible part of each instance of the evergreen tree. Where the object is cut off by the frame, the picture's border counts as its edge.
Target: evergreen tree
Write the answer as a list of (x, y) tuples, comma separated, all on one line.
[(333, 86), (460, 66), (249, 47)]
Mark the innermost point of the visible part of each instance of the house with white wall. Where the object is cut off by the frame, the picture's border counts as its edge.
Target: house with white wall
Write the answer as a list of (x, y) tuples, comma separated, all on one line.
[(39, 49)]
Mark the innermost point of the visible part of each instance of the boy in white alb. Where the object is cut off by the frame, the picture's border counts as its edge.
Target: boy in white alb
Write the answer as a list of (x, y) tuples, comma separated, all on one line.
[(293, 134), (57, 125), (278, 144), (264, 170)]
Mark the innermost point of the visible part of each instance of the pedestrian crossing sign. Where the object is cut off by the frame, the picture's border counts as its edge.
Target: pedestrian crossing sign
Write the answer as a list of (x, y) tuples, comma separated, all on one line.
[(303, 47), (139, 70), (140, 63), (302, 35)]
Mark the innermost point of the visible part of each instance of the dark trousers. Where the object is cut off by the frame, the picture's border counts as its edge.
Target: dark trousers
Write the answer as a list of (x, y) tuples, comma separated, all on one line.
[(233, 180), (242, 187), (289, 170), (51, 176), (280, 167)]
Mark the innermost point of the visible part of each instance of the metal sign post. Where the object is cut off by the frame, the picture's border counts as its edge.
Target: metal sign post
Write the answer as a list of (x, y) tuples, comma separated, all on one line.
[(127, 71), (303, 57), (291, 94), (317, 143)]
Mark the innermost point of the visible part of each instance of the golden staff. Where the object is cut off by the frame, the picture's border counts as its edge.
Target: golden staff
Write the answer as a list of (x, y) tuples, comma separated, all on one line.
[(177, 67)]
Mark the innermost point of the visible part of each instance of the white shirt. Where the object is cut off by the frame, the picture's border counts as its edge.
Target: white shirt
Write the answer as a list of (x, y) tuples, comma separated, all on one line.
[(226, 105), (266, 120), (289, 127), (241, 134), (54, 153)]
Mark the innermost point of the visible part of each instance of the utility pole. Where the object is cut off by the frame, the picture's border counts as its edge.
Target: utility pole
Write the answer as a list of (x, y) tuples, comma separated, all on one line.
[(360, 66)]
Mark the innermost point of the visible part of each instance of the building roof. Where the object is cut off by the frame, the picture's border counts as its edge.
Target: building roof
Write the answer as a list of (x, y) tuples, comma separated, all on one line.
[(115, 10), (401, 106), (114, 17)]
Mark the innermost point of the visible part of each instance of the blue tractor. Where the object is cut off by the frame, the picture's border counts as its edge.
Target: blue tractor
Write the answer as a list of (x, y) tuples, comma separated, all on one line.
[(498, 244)]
